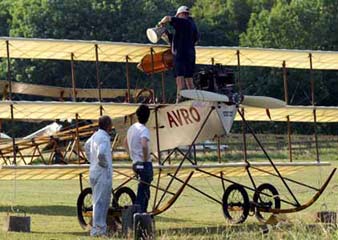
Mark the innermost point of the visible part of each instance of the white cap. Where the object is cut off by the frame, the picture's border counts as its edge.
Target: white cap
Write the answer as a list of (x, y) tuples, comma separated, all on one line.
[(182, 9)]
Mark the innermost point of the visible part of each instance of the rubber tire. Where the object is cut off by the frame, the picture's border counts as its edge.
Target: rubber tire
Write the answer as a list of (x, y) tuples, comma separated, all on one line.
[(118, 194), (79, 206), (273, 191), (246, 203)]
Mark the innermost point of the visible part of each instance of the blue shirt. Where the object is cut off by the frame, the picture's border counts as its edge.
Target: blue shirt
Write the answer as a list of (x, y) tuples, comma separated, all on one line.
[(185, 37)]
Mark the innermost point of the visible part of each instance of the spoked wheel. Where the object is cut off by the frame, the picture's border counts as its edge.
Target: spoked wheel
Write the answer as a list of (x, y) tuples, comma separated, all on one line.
[(123, 197), (265, 197), (236, 204), (146, 95), (85, 208)]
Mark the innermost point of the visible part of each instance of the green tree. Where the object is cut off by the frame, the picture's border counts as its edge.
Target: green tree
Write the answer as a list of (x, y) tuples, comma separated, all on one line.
[(120, 20), (295, 25), (4, 17)]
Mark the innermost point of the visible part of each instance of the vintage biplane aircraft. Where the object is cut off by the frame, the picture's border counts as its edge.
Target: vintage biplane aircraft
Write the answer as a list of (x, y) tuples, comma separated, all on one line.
[(208, 115)]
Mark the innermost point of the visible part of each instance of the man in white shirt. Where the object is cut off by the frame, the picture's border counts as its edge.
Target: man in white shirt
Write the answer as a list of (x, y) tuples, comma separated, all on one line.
[(137, 145), (98, 151)]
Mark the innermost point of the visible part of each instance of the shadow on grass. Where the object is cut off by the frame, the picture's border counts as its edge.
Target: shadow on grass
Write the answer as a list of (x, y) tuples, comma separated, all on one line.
[(314, 228), (169, 219), (79, 234), (211, 229), (54, 210)]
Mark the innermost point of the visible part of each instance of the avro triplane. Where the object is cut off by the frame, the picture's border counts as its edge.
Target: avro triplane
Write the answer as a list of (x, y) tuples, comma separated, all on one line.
[(210, 112)]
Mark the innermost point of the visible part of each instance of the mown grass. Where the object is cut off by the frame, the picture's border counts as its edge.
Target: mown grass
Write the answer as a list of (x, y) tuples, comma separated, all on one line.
[(52, 207)]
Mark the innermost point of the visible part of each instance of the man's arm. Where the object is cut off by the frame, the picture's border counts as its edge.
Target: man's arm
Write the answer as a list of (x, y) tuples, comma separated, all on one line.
[(87, 148), (145, 148), (165, 20)]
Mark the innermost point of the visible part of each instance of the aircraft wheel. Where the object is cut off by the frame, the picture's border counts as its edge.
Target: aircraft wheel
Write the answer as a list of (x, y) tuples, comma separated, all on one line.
[(85, 208), (236, 204), (266, 197), (123, 197), (149, 98)]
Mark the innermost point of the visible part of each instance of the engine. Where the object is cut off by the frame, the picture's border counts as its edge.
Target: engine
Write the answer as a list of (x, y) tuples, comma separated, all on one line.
[(218, 79)]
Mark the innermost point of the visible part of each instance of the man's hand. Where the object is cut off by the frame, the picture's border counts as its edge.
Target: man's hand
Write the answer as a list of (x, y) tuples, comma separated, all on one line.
[(102, 161), (164, 20), (125, 143)]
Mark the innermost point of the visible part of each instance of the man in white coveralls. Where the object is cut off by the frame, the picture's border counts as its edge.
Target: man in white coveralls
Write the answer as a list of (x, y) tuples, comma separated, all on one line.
[(98, 150)]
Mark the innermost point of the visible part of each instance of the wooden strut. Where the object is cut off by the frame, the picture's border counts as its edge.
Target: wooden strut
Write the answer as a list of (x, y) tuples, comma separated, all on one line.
[(122, 184), (40, 154), (3, 157), (36, 144), (77, 138), (81, 184), (128, 79), (9, 79), (313, 104), (98, 81), (73, 77), (268, 157), (152, 72), (245, 151), (286, 99), (158, 156), (197, 190), (135, 178), (163, 88), (171, 201)]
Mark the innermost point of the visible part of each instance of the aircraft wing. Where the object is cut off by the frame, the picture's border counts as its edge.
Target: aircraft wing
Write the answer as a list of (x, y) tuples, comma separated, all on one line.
[(38, 110), (61, 92), (295, 113), (29, 110), (178, 124), (32, 48), (122, 172)]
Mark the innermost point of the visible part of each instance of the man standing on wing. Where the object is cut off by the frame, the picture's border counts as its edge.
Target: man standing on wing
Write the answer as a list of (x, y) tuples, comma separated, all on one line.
[(137, 145), (98, 151), (183, 47)]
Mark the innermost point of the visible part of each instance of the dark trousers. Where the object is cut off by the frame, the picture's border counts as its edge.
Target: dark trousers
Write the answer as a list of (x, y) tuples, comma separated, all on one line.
[(145, 176)]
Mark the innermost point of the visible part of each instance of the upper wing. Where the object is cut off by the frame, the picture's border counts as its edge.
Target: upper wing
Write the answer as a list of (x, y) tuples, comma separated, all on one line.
[(267, 57), (30, 48), (33, 48)]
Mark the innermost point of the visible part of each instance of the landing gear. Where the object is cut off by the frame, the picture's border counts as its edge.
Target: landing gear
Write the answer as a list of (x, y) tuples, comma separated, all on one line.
[(236, 204), (123, 197), (85, 208), (265, 197)]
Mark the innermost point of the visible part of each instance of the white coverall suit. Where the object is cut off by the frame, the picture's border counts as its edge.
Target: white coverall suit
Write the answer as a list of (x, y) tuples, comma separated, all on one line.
[(98, 150)]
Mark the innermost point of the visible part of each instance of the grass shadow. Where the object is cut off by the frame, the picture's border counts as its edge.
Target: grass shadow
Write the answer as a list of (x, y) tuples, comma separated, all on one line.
[(53, 210), (212, 229), (78, 234), (169, 219)]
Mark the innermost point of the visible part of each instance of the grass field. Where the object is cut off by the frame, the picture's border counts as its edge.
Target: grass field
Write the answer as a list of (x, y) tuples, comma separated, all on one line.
[(52, 207)]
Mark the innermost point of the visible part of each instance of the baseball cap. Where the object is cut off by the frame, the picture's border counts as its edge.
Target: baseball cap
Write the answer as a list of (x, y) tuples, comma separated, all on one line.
[(182, 9)]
